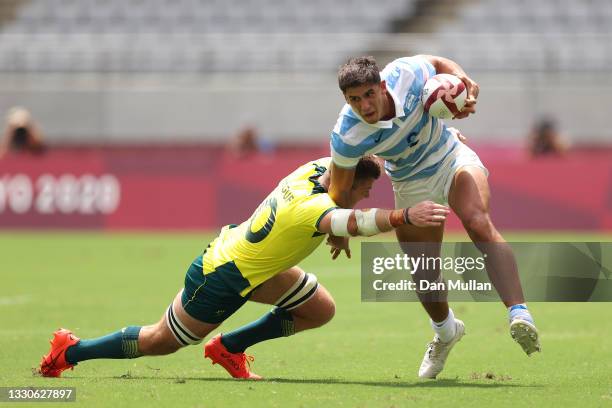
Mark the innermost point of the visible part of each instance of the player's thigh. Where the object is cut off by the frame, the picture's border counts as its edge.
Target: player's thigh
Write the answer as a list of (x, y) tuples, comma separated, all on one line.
[(419, 241), (271, 291), (412, 234), (422, 243), (408, 194), (198, 328), (204, 303), (208, 298), (469, 193)]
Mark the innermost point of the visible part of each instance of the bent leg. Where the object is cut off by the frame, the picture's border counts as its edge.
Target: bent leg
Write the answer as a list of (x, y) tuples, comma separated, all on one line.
[(301, 302), (469, 198)]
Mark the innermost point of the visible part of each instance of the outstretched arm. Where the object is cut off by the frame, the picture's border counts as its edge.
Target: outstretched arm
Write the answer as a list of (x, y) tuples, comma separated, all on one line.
[(345, 222), (340, 191), (447, 66)]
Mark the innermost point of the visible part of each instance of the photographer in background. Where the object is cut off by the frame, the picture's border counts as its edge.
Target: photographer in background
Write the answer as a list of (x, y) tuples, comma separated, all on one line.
[(21, 134), (545, 140)]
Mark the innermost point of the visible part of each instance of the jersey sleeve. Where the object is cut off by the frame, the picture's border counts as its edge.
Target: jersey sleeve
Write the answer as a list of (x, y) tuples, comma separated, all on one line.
[(313, 209), (340, 154), (419, 66), (345, 144)]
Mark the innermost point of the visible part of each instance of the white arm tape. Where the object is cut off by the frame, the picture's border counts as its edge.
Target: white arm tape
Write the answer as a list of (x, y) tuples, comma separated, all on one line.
[(366, 222), (339, 222)]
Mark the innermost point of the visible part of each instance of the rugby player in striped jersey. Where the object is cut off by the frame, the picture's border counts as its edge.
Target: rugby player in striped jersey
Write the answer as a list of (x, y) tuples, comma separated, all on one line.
[(425, 160)]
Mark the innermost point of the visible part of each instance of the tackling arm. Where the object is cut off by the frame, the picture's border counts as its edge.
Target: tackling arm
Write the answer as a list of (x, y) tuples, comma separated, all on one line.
[(345, 222)]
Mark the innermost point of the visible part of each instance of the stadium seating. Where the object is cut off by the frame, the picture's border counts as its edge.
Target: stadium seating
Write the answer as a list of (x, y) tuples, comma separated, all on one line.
[(524, 35), (292, 35), (187, 35), (526, 55)]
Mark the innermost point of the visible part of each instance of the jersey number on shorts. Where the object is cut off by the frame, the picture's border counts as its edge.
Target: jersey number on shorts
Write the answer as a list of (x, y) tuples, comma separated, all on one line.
[(259, 235)]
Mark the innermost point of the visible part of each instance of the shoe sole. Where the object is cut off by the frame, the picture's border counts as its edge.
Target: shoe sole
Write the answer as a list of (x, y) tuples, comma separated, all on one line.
[(526, 335)]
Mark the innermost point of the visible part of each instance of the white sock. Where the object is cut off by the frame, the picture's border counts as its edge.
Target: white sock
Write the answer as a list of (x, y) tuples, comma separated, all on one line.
[(519, 311), (445, 329)]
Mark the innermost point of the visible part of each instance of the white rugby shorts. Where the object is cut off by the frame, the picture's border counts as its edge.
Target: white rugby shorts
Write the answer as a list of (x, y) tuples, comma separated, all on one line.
[(436, 187)]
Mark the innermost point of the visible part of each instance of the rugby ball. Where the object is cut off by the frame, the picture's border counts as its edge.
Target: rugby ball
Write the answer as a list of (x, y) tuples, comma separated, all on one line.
[(444, 96)]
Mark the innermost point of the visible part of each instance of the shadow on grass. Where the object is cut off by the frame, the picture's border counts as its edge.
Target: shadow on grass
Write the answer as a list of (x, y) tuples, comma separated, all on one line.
[(442, 383), (391, 384)]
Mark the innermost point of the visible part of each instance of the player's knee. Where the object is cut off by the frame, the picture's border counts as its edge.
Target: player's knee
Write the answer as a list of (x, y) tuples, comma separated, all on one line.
[(316, 312), (479, 226), (325, 311), (328, 313)]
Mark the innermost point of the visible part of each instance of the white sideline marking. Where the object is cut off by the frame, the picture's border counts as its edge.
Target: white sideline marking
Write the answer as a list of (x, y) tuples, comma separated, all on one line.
[(15, 300)]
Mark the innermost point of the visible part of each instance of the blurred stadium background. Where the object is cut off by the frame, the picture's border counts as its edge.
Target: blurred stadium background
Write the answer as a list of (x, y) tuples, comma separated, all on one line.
[(142, 103)]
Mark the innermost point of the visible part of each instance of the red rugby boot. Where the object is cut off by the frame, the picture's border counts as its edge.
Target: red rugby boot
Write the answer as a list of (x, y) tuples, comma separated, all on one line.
[(54, 362), (236, 364)]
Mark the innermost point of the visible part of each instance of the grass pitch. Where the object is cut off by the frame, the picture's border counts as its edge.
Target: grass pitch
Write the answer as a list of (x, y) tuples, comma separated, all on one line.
[(368, 356)]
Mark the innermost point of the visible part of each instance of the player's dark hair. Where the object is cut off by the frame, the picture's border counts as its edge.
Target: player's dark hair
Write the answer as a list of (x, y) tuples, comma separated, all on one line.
[(367, 167), (358, 71)]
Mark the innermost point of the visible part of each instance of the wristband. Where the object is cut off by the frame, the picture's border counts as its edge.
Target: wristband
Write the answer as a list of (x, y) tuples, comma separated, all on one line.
[(407, 217), (399, 217)]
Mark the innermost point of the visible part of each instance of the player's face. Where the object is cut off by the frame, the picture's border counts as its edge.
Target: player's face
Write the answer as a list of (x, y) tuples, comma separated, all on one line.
[(368, 101), (361, 189)]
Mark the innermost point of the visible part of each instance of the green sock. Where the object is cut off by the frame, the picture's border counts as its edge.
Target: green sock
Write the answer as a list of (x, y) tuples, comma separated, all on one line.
[(277, 323), (121, 344)]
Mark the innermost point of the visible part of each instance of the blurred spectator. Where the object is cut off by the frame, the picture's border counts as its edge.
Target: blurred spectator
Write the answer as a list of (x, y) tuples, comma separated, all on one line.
[(247, 142), (21, 133), (545, 140)]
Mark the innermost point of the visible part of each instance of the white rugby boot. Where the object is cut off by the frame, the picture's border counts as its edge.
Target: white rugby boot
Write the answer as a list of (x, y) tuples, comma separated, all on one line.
[(526, 334), (437, 353)]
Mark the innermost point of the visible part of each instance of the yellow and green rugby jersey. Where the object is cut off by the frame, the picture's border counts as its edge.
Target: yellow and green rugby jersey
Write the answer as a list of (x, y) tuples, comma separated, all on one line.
[(279, 234)]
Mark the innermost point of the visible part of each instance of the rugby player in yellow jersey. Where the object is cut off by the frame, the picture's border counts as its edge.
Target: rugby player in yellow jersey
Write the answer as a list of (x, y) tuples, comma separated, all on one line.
[(255, 261)]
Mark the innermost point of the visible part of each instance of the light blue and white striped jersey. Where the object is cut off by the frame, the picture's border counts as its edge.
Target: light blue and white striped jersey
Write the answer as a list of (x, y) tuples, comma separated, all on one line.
[(413, 144)]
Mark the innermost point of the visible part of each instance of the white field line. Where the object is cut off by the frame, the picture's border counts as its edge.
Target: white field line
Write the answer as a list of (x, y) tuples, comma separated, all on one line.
[(15, 300)]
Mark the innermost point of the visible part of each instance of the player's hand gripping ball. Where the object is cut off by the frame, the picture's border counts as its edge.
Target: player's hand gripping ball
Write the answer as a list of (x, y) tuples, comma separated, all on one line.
[(444, 96)]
